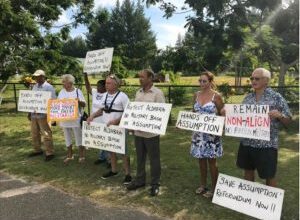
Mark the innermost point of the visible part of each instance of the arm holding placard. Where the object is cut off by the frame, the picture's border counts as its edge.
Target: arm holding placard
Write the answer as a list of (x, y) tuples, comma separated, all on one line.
[(94, 115), (87, 83)]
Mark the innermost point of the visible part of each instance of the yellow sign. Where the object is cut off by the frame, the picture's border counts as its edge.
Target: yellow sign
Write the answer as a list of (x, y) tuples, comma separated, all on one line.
[(62, 110)]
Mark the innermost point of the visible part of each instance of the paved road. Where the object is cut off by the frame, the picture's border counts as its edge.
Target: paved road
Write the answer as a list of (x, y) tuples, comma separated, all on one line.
[(20, 200)]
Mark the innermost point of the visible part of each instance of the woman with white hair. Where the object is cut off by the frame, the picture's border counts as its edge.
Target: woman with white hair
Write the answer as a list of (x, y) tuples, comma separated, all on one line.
[(69, 127), (262, 155)]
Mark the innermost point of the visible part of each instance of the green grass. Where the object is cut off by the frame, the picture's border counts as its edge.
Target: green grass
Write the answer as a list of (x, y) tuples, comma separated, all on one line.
[(180, 173)]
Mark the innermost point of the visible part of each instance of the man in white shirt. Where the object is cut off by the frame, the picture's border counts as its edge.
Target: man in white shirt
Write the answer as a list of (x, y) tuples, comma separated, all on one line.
[(39, 124)]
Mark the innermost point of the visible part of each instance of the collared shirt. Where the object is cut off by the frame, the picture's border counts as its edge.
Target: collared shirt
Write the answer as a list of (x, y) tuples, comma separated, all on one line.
[(44, 87), (152, 95), (275, 102)]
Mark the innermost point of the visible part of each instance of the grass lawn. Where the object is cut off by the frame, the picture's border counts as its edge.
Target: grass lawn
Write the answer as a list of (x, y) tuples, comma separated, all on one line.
[(180, 174)]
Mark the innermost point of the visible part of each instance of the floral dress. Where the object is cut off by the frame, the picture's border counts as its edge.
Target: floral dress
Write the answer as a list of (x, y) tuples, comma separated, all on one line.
[(206, 145)]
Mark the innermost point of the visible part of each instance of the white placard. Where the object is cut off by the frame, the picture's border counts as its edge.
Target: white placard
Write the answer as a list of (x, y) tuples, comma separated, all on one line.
[(33, 101), (97, 135), (146, 116), (97, 61), (248, 121), (251, 198), (210, 124)]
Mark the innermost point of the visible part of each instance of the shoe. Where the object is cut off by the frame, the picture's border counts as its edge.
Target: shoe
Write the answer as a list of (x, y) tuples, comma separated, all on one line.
[(201, 190), (49, 157), (208, 194), (154, 190), (68, 159), (134, 186), (109, 174), (127, 180), (34, 154), (99, 161), (81, 159)]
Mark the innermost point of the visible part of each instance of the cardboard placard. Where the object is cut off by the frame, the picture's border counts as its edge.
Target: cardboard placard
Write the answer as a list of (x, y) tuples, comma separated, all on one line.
[(98, 135), (97, 61), (251, 198), (62, 110), (248, 121), (33, 101), (146, 116), (210, 124)]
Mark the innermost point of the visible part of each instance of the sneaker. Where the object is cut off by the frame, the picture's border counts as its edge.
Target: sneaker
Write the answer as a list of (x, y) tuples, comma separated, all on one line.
[(134, 186), (99, 161), (109, 174), (127, 180), (34, 154), (154, 190), (49, 157)]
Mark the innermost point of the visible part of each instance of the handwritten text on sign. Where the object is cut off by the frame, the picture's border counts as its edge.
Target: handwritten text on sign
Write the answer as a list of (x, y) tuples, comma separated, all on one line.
[(146, 116), (248, 121), (62, 110), (210, 124), (33, 101), (98, 60), (254, 199), (97, 135)]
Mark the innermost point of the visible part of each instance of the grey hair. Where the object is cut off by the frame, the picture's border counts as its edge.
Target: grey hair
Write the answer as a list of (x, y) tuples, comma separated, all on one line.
[(265, 73), (68, 78)]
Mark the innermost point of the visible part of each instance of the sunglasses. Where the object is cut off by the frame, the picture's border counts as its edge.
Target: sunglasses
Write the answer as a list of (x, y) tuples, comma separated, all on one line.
[(202, 81), (255, 78)]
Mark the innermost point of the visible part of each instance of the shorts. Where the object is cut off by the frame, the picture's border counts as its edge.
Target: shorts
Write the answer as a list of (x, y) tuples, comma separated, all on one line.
[(264, 160)]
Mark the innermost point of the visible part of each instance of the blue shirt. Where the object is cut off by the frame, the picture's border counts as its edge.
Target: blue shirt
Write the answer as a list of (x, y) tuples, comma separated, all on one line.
[(275, 102), (44, 87)]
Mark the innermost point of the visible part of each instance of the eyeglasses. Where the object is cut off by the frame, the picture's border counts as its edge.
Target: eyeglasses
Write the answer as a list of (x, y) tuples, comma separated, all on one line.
[(255, 78), (202, 81)]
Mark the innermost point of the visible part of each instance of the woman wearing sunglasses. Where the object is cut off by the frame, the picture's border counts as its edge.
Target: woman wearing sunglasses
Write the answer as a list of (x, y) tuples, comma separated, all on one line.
[(206, 147)]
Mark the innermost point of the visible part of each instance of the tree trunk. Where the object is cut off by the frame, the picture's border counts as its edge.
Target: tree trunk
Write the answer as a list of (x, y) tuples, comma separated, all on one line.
[(282, 72)]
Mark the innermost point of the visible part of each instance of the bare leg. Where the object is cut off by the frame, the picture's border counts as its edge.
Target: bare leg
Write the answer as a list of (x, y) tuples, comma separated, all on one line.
[(126, 164), (249, 175), (213, 172), (203, 172), (271, 182)]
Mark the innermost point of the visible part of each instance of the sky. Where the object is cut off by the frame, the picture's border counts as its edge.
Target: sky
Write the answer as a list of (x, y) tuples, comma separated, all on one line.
[(166, 30)]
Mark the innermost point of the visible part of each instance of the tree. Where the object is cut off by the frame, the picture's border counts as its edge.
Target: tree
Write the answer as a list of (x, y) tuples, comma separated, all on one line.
[(76, 47), (127, 30), (22, 43)]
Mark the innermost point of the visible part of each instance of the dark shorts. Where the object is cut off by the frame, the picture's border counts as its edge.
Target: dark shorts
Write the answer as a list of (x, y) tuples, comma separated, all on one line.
[(264, 160)]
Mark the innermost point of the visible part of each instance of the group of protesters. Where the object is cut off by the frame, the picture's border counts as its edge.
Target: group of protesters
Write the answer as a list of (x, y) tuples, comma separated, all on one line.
[(108, 104)]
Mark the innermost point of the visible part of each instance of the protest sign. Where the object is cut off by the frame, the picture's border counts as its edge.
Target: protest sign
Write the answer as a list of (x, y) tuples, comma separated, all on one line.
[(33, 101), (146, 116), (251, 198), (98, 60), (62, 110), (210, 124), (97, 135), (248, 121)]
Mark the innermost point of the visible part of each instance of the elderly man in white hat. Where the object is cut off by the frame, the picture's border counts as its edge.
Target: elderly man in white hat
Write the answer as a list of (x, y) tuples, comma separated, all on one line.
[(39, 124)]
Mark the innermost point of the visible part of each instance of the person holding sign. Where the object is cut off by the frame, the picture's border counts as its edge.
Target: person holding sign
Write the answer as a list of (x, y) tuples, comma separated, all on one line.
[(261, 155), (97, 95), (147, 143), (112, 106), (206, 147), (39, 124), (73, 126)]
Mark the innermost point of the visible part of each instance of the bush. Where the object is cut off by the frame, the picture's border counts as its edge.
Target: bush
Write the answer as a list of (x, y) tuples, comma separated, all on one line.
[(177, 95)]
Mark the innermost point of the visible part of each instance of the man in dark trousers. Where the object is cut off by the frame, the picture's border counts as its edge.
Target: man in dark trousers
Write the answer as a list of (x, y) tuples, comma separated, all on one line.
[(147, 143)]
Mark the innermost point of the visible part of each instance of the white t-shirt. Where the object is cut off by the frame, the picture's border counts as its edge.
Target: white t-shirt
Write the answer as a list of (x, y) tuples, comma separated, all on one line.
[(119, 104), (96, 104), (63, 94)]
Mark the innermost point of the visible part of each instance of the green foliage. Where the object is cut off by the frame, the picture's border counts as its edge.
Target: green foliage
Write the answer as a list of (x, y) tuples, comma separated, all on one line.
[(177, 95), (226, 90), (118, 68), (127, 30), (75, 47)]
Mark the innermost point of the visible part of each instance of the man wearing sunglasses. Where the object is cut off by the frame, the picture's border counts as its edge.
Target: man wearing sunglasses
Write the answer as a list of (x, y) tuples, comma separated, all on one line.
[(260, 154)]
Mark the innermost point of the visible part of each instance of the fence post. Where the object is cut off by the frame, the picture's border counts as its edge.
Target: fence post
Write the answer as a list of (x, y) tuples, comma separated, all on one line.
[(15, 96), (169, 93)]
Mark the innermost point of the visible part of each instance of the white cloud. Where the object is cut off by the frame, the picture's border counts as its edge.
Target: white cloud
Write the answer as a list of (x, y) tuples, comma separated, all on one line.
[(168, 34), (105, 3), (63, 19)]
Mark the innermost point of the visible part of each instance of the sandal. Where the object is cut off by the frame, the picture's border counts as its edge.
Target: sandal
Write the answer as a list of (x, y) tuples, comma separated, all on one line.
[(208, 194), (68, 159), (201, 190), (81, 159)]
